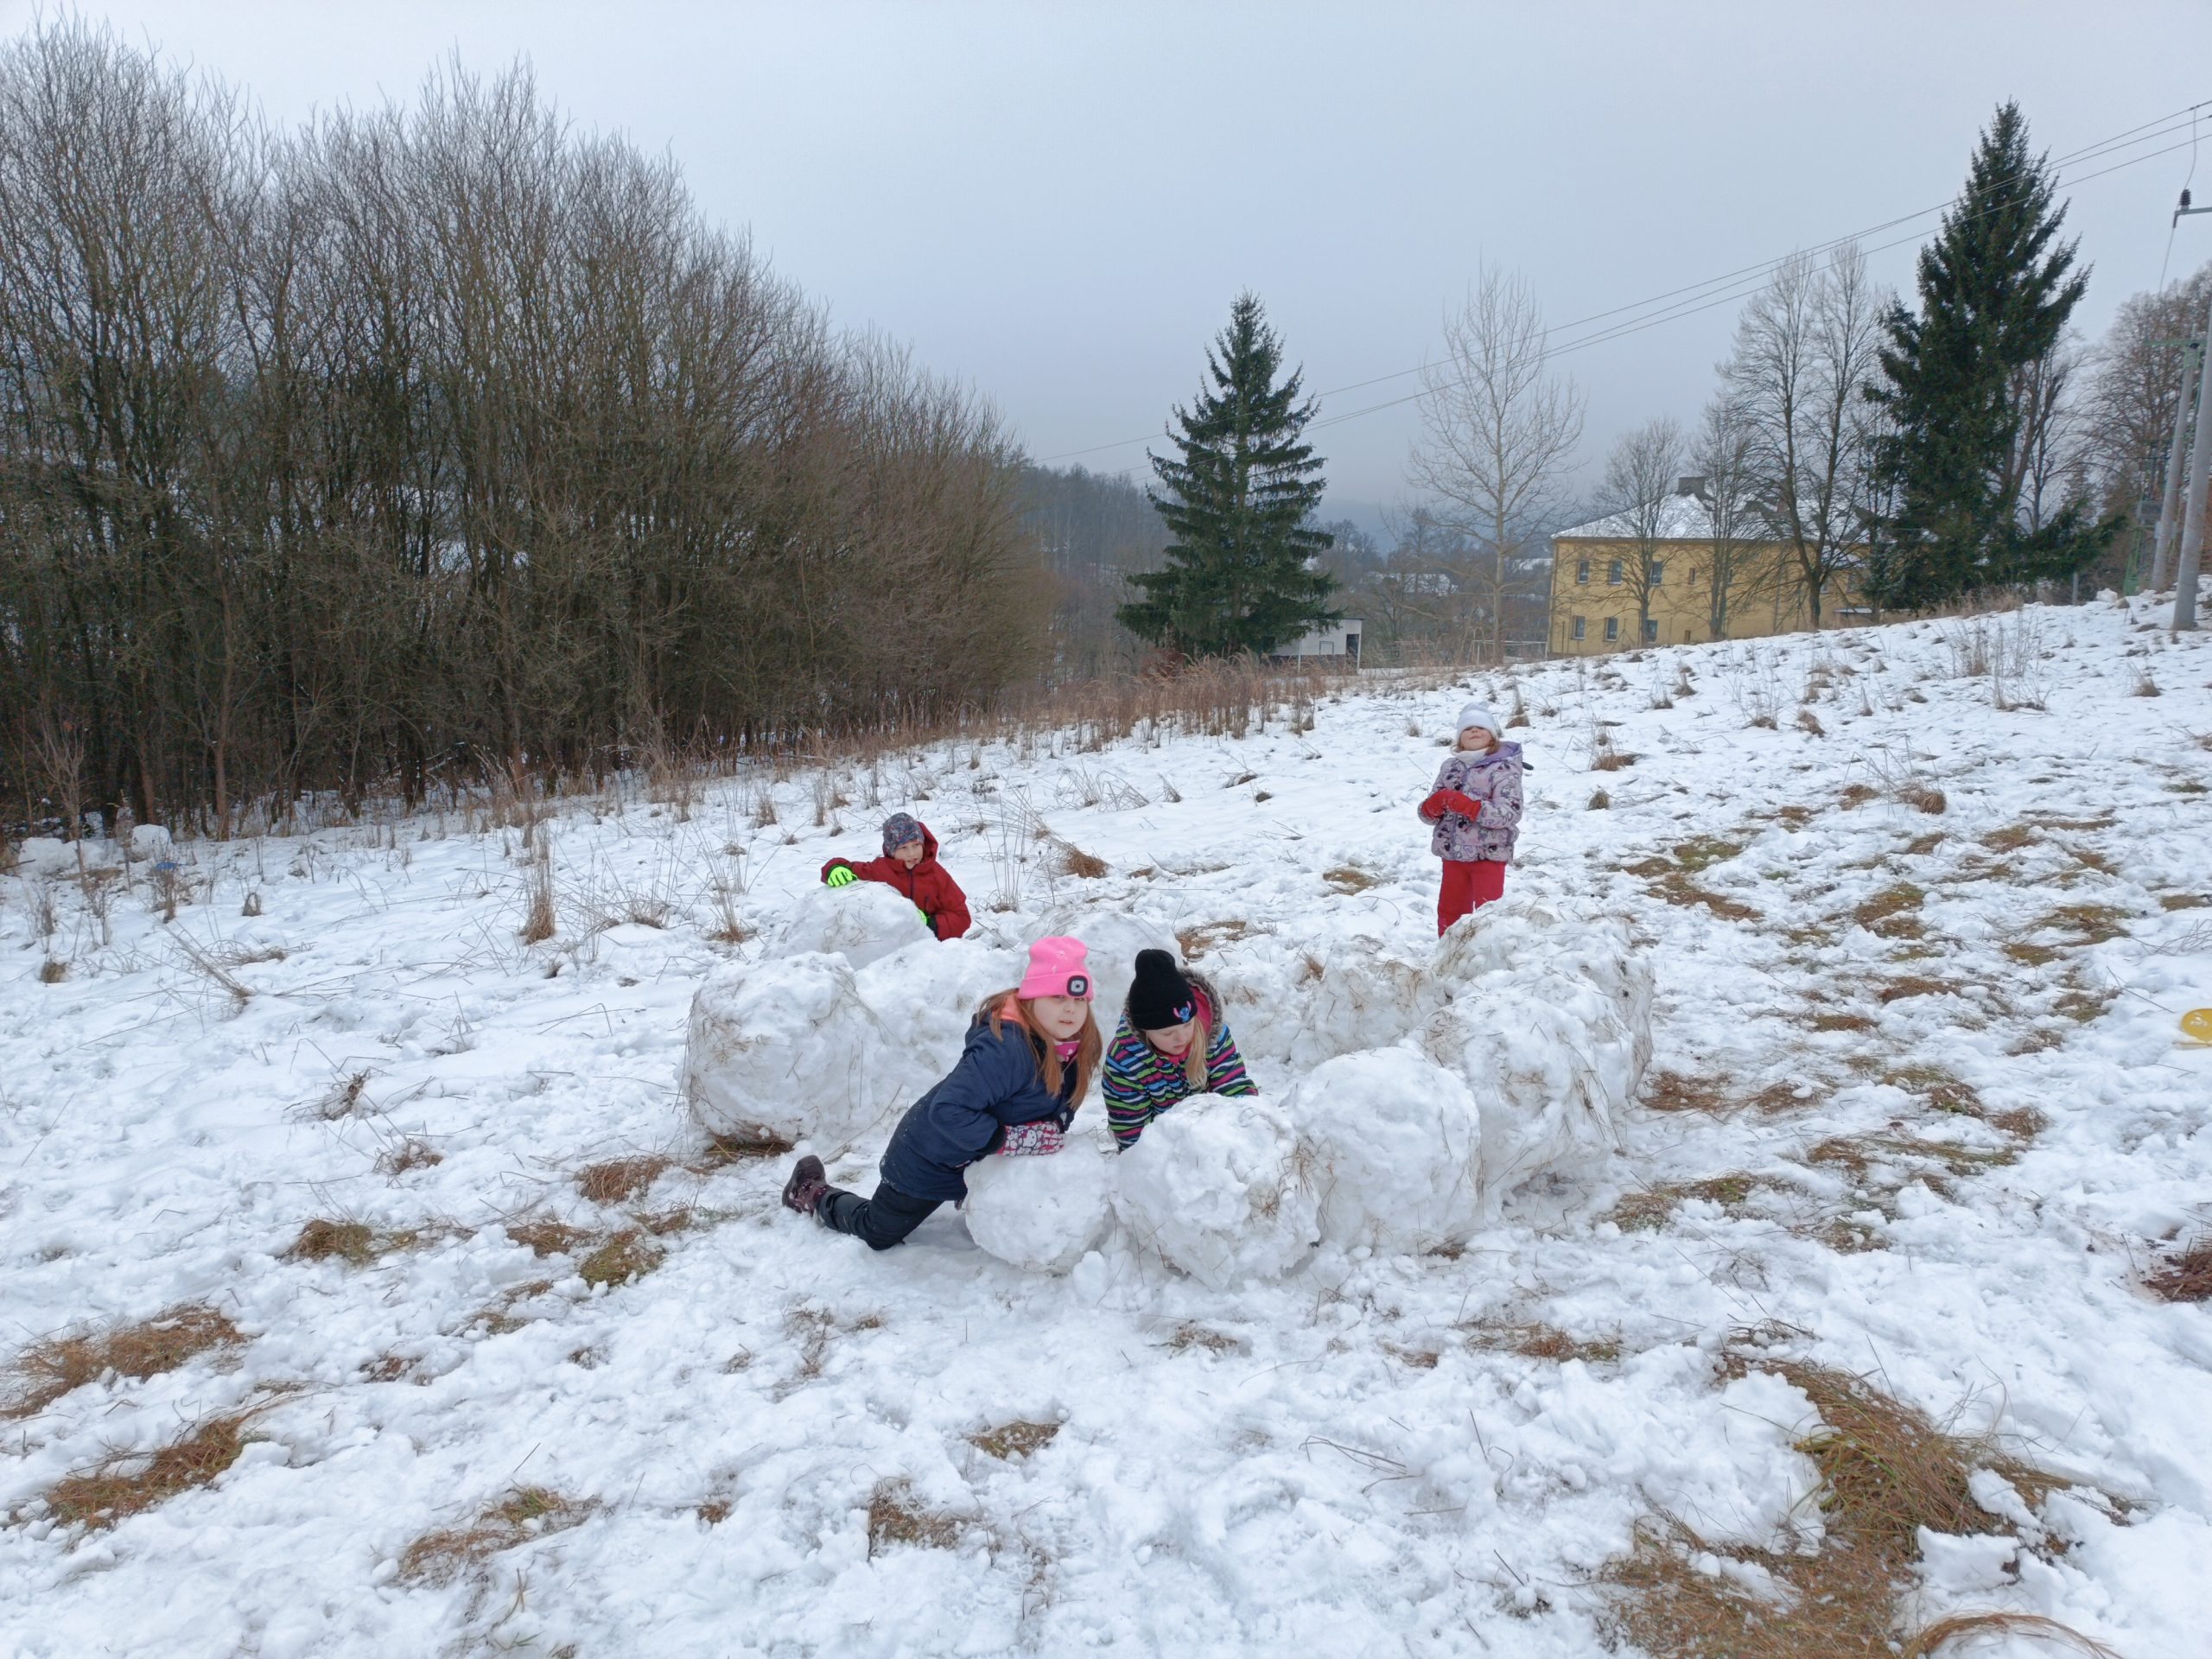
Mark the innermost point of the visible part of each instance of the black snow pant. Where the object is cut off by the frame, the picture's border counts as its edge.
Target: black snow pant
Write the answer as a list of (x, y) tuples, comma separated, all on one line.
[(880, 1222)]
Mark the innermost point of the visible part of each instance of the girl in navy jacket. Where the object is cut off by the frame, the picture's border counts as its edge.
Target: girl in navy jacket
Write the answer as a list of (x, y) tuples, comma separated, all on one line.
[(1024, 1070)]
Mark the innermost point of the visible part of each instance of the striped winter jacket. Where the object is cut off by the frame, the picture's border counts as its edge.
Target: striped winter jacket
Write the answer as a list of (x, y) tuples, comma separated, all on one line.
[(1141, 1081)]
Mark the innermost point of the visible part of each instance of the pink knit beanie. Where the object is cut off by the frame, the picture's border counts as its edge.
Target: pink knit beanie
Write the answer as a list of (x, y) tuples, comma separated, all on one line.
[(1056, 969)]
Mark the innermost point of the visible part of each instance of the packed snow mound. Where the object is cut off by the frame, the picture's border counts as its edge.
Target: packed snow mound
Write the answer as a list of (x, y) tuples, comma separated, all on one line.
[(1394, 1146), (1298, 1007), (860, 923), (150, 840), (926, 993), (786, 1050), (1042, 1213), (1219, 1186), (1550, 1025)]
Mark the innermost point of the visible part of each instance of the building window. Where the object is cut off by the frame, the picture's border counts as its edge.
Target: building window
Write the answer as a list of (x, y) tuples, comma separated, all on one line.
[(1579, 630), (1612, 627), (1614, 573), (1651, 629), (1582, 570), (1658, 571)]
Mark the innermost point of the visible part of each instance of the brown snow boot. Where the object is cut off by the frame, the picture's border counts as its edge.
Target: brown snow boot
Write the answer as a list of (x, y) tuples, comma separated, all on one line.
[(808, 1183)]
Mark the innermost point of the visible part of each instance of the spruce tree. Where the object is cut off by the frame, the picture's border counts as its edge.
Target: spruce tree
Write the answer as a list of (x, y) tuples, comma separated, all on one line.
[(1995, 289), (1238, 500)]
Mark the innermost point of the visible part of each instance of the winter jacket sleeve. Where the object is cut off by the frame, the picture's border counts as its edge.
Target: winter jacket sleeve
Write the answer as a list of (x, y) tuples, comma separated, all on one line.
[(1225, 1073), (949, 915), (1127, 1107), (964, 1108)]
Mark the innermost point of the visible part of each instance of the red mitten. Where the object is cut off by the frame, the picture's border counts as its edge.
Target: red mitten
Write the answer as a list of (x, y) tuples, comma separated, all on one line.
[(1465, 805), (1435, 806)]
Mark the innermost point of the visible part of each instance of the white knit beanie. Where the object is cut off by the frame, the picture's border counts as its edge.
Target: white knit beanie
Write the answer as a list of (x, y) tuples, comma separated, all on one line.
[(1476, 715)]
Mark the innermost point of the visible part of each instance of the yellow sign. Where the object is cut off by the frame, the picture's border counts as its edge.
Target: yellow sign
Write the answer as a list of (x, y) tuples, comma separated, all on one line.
[(2197, 1023)]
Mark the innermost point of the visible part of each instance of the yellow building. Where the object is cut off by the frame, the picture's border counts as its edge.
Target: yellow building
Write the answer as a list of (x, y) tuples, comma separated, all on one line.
[(1595, 584)]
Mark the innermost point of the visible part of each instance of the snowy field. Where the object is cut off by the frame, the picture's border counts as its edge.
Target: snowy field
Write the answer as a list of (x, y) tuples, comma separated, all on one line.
[(552, 1377)]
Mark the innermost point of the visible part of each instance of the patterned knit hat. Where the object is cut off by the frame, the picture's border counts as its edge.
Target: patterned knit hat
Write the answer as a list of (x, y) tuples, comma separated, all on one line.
[(1159, 997), (898, 829)]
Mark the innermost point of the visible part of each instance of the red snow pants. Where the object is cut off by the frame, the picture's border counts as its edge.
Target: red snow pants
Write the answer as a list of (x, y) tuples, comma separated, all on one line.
[(1467, 883)]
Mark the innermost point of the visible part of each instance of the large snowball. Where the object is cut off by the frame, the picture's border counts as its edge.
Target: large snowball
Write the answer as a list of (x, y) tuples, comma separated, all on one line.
[(1042, 1213), (1219, 1186), (1395, 1149), (1550, 1025), (860, 923), (927, 993), (785, 1050)]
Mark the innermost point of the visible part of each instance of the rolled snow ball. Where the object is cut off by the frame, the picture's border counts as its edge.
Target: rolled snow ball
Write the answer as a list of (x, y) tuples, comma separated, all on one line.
[(859, 923), (780, 1052), (1395, 1144), (1219, 1186), (1043, 1213), (148, 841)]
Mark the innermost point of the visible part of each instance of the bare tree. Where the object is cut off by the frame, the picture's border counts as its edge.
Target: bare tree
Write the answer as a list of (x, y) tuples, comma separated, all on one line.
[(1640, 474), (1724, 454), (2130, 408), (1499, 431), (2050, 461), (1805, 351)]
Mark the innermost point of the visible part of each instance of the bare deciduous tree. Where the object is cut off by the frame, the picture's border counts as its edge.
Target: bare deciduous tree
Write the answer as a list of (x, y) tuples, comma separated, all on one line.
[(2130, 410), (1805, 351), (1640, 474), (1499, 431), (1723, 453)]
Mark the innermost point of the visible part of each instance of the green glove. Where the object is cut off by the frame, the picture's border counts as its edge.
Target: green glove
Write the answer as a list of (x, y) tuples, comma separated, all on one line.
[(925, 915), (842, 876)]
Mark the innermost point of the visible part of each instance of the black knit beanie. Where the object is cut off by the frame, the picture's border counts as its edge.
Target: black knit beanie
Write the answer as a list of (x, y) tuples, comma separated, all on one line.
[(1159, 997)]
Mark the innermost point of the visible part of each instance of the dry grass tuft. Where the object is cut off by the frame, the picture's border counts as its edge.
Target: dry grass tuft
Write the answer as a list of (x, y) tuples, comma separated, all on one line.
[(122, 1487), (322, 1240), (1705, 851), (2030, 955), (2089, 924), (1014, 1440), (1944, 1632), (2009, 839), (724, 1150), (1540, 1341), (1197, 941), (621, 1179), (1786, 1096), (1187, 1337), (1841, 1022), (629, 1255), (1082, 866), (1649, 1209), (2185, 901), (1677, 889), (1924, 797), (895, 1516), (2186, 1277), (1886, 1471), (51, 1368), (544, 1236), (1920, 846), (410, 1154), (1896, 990), (1939, 1089), (1675, 1091), (1859, 794), (528, 1512), (1599, 800), (1347, 878), (53, 971), (1892, 912)]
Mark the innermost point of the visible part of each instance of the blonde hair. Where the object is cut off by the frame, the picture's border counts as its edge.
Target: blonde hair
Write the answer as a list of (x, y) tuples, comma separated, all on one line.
[(1001, 1005)]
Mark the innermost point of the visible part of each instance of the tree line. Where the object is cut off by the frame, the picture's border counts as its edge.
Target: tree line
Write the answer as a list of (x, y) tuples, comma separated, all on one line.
[(434, 441)]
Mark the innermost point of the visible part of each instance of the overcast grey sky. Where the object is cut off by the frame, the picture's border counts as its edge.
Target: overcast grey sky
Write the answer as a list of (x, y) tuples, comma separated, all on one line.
[(1057, 202)]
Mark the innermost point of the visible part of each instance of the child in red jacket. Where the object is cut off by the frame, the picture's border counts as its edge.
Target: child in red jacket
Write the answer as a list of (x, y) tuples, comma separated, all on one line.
[(1476, 810), (909, 863)]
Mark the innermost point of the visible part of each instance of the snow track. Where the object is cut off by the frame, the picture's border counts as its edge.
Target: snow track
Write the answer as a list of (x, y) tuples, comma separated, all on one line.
[(1916, 1108)]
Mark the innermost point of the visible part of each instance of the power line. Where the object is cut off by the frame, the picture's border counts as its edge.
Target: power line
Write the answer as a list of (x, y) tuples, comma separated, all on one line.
[(1694, 297)]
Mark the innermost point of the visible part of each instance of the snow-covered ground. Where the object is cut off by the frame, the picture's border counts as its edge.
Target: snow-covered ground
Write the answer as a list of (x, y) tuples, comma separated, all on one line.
[(1930, 1119)]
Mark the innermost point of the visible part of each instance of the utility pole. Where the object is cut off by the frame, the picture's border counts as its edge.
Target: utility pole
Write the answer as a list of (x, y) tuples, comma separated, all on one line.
[(2200, 461), (2169, 497)]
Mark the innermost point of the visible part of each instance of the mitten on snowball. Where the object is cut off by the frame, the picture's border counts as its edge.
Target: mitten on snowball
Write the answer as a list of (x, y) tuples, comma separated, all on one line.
[(842, 876), (1030, 1139)]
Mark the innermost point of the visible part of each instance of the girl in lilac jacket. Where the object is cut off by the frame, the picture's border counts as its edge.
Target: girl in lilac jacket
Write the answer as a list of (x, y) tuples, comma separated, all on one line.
[(1476, 810)]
